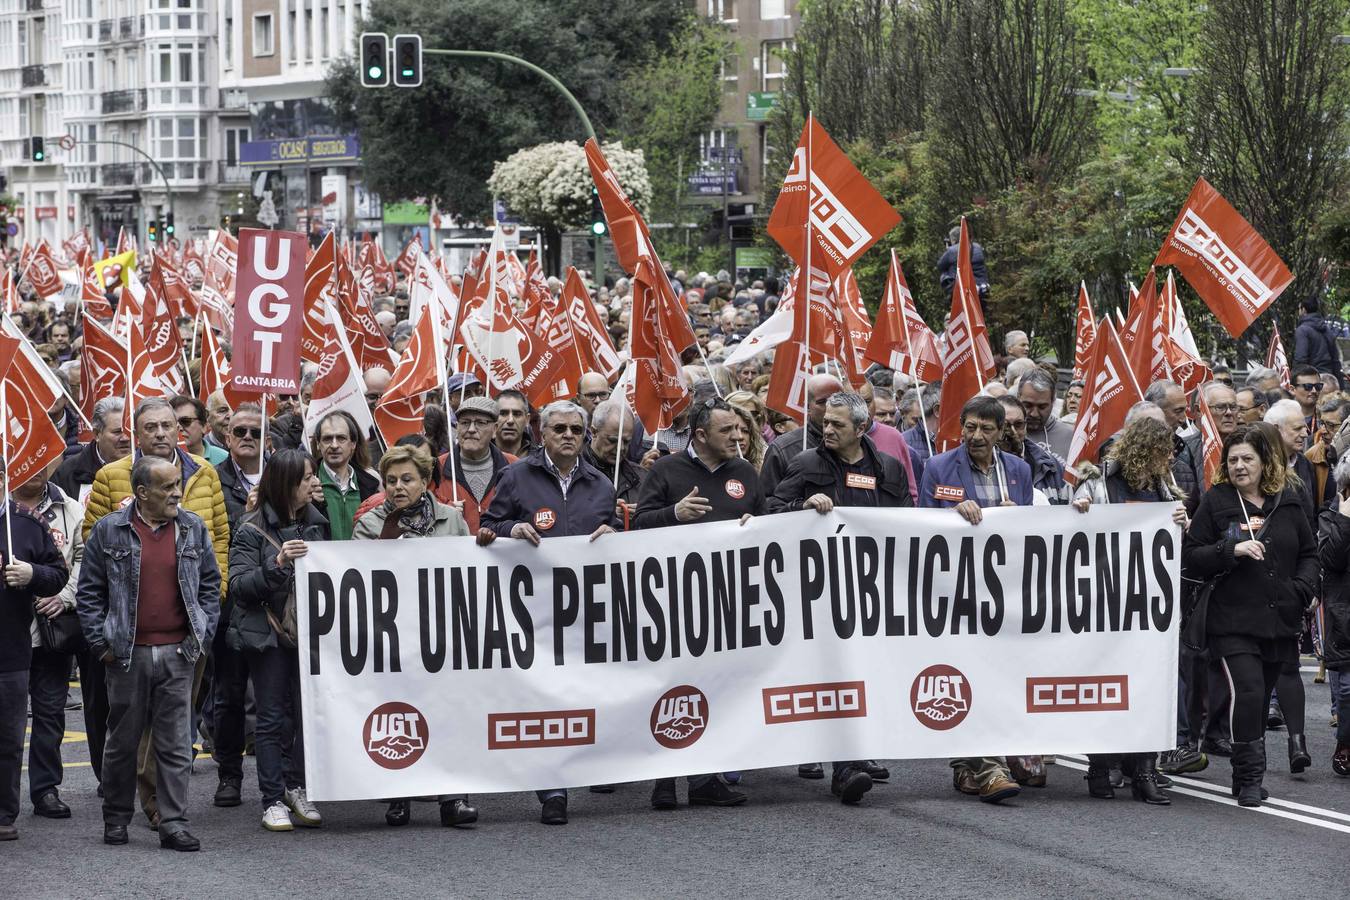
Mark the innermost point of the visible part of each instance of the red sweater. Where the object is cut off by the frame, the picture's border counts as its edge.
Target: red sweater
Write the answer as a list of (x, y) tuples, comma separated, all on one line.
[(161, 617)]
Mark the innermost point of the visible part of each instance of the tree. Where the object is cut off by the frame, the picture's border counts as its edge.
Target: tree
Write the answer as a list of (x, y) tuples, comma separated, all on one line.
[(550, 186), (1273, 101), (442, 138)]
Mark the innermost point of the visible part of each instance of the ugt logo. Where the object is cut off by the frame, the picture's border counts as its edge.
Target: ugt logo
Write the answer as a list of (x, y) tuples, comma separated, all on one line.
[(940, 697), (679, 717), (395, 735)]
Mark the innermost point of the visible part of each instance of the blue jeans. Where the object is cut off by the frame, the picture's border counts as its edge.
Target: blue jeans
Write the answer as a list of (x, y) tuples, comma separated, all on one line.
[(1340, 695), (279, 738)]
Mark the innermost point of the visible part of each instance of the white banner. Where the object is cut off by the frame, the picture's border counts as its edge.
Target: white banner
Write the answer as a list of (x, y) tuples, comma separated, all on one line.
[(433, 666)]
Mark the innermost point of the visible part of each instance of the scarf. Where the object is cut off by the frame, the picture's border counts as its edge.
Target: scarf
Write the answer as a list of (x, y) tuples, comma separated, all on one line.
[(417, 520)]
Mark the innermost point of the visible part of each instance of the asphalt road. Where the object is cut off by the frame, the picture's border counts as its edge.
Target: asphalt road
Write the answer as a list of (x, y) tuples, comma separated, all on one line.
[(913, 837)]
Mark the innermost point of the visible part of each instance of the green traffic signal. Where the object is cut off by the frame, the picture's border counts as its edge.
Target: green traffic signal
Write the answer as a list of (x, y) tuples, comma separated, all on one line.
[(376, 73), (597, 227)]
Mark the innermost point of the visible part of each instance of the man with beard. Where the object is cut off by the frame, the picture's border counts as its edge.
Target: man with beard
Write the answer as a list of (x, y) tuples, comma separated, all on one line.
[(1047, 475)]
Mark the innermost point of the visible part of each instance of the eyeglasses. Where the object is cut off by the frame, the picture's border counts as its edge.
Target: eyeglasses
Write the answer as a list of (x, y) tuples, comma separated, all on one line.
[(568, 429), (475, 423), (188, 421), (1016, 426), (1247, 409), (1223, 407), (596, 395), (242, 431), (1313, 386), (1328, 425)]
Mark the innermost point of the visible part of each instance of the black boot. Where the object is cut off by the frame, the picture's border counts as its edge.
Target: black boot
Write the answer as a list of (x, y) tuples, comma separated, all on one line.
[(1249, 767), (1144, 781), (1298, 753), (399, 813), (1099, 778)]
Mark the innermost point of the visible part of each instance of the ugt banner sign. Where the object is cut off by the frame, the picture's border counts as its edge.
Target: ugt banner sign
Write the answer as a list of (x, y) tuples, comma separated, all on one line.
[(434, 666), (268, 312)]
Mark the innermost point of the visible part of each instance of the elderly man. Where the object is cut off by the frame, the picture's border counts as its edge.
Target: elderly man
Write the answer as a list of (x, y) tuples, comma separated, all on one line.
[(707, 482), (241, 471), (592, 388), (601, 452), (552, 493), (1036, 390), (462, 387), (1188, 466), (785, 447), (75, 475), (217, 420), (1017, 345), (969, 479), (1251, 402), (1047, 475), (386, 320), (478, 464), (36, 570), (376, 382), (1288, 417), (149, 602), (882, 406)]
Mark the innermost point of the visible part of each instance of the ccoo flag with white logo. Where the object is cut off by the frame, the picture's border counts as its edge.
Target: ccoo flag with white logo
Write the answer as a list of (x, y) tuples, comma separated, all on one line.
[(434, 666)]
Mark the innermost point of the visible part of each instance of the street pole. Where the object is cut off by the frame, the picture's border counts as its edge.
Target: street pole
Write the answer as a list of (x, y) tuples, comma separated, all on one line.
[(567, 95), (168, 192)]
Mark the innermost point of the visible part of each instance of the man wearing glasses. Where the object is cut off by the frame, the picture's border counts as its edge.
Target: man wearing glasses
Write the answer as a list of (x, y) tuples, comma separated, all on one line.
[(1307, 389), (344, 471), (155, 429), (241, 472), (553, 492), (1322, 454), (970, 479), (1251, 404)]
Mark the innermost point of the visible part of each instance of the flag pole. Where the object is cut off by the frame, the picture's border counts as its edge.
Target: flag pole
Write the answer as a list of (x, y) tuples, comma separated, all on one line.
[(4, 436), (434, 310), (806, 385), (618, 452)]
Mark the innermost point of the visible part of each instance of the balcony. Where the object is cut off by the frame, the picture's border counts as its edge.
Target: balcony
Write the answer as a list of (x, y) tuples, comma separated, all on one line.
[(231, 174), (122, 102), (233, 99), (130, 27), (33, 76), (33, 5), (123, 174), (105, 30)]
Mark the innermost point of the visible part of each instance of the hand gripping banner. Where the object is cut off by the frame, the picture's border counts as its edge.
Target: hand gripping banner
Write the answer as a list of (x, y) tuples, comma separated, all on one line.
[(433, 666)]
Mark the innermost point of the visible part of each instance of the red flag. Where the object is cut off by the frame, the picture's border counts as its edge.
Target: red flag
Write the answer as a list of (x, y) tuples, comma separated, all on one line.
[(416, 373), (367, 338), (965, 282), (787, 380), (1209, 439), (268, 312), (320, 287), (193, 267), (900, 339), (626, 228), (962, 373), (338, 386), (407, 259), (162, 341), (656, 390), (1084, 330), (221, 262), (91, 292), (1184, 368), (373, 255), (857, 327), (1144, 337), (536, 292), (172, 288), (104, 364), (125, 240), (76, 245), (554, 325), (10, 292), (846, 215), (31, 440), (1109, 391), (592, 335), (1222, 257), (40, 272), (1277, 359)]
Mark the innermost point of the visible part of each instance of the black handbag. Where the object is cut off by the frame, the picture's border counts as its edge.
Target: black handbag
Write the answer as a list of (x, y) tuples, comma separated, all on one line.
[(62, 634), (1193, 636)]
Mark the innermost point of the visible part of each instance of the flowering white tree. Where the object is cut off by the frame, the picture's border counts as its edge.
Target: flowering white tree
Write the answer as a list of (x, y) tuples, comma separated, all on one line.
[(550, 185)]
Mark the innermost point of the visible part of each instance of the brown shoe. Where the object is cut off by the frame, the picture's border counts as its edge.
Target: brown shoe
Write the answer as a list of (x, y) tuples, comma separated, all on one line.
[(964, 781), (997, 788), (1027, 770)]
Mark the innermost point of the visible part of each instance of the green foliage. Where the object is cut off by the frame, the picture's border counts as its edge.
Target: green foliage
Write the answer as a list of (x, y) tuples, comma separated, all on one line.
[(442, 139)]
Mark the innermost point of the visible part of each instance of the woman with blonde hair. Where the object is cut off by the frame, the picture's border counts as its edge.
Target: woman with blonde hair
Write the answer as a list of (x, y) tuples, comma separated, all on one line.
[(753, 413)]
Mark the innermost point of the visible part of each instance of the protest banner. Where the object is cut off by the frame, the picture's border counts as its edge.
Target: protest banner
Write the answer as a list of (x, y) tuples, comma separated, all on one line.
[(268, 312), (433, 666)]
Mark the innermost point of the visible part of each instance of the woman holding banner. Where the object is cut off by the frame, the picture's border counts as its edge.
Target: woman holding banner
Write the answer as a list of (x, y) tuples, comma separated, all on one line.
[(263, 551), (410, 510), (1138, 469), (1251, 539)]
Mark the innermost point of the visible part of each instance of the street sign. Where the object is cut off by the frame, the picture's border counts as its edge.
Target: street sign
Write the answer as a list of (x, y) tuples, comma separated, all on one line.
[(758, 105), (66, 142), (733, 154), (12, 229)]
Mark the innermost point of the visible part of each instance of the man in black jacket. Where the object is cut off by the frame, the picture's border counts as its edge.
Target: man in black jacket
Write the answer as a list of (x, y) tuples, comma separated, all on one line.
[(1047, 474), (847, 470), (37, 569), (707, 482), (552, 493), (1315, 342), (604, 447), (111, 442)]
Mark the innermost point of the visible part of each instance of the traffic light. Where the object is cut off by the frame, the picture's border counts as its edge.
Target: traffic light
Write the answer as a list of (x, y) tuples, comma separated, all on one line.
[(152, 230), (374, 59), (168, 226), (38, 152), (598, 224), (408, 60)]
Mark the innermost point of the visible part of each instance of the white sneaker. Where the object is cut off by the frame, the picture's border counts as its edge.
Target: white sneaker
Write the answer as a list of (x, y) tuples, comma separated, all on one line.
[(277, 819), (303, 812)]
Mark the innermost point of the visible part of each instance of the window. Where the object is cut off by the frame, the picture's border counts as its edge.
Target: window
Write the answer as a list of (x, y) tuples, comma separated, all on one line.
[(262, 35), (773, 9), (722, 9), (772, 66), (179, 139), (730, 69), (227, 41), (235, 138)]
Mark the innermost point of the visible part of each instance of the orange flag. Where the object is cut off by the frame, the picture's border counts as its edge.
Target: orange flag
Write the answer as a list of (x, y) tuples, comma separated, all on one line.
[(1109, 391), (965, 282), (626, 228), (1144, 337), (320, 287), (407, 259), (31, 440), (592, 335), (1085, 329), (900, 339), (857, 327), (1277, 359), (1209, 439), (416, 373), (656, 390), (1222, 257), (963, 372), (40, 271)]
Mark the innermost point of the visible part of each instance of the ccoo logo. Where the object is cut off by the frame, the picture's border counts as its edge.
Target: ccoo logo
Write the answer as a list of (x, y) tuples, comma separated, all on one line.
[(395, 735), (940, 697), (680, 717)]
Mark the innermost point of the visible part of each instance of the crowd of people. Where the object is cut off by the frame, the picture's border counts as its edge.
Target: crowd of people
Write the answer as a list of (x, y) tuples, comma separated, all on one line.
[(157, 560)]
